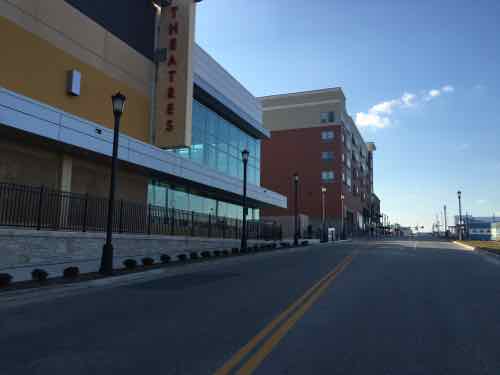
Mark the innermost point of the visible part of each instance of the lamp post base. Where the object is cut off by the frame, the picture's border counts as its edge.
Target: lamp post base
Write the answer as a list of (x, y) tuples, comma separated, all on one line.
[(107, 260)]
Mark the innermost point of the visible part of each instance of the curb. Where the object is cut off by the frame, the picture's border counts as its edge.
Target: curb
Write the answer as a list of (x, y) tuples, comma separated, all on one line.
[(479, 250), (467, 247), (486, 252)]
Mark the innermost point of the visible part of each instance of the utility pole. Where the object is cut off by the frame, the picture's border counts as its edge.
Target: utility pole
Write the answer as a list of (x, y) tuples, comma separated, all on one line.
[(460, 225), (445, 221)]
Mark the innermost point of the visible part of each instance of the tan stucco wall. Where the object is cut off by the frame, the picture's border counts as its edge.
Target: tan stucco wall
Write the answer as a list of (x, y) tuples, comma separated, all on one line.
[(36, 68), (28, 164), (94, 177), (63, 26), (301, 110)]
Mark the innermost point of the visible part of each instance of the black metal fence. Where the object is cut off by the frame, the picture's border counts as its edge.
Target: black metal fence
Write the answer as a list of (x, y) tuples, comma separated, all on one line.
[(47, 209)]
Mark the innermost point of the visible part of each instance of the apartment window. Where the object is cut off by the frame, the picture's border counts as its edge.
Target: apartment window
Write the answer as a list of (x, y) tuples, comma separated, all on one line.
[(343, 177), (343, 157), (327, 176), (326, 117), (348, 163), (327, 135), (327, 155)]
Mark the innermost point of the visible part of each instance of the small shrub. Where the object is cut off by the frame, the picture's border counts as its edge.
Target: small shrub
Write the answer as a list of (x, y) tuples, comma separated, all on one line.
[(182, 257), (217, 253), (235, 251), (148, 261), (71, 272), (206, 254), (130, 264), (225, 253), (304, 243), (5, 279), (39, 275), (193, 255), (165, 258)]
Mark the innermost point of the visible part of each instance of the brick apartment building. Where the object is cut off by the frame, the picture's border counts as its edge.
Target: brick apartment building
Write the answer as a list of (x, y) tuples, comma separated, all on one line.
[(313, 135)]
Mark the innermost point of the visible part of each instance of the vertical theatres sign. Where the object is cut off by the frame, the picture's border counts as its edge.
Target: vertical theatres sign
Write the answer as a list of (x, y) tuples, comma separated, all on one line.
[(174, 95)]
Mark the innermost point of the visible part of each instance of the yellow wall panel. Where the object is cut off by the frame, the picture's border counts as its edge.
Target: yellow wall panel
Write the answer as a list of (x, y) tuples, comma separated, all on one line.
[(32, 67)]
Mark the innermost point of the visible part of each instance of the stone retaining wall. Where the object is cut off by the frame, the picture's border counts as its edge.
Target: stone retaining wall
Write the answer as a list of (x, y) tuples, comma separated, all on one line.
[(20, 248)]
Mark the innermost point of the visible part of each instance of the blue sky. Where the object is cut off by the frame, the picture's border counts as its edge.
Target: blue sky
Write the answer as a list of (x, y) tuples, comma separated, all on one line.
[(421, 78)]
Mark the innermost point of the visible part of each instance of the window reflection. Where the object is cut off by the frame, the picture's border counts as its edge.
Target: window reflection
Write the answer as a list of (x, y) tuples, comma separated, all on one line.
[(218, 144), (168, 196)]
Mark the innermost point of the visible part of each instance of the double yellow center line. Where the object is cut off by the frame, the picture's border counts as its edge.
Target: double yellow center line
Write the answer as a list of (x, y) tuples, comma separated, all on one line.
[(290, 317)]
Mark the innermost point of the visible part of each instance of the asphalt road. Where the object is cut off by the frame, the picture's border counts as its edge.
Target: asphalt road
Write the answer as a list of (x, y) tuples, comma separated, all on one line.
[(388, 307)]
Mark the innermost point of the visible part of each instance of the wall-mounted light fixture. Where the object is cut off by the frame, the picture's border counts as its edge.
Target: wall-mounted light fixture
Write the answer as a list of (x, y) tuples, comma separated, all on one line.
[(74, 82)]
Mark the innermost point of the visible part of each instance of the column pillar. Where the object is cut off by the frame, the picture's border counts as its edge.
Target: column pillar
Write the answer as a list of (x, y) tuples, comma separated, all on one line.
[(65, 186)]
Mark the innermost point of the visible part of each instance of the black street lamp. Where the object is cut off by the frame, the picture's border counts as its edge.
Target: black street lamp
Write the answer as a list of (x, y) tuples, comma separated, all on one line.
[(323, 208), (296, 191), (107, 250), (460, 229), (244, 155), (342, 234)]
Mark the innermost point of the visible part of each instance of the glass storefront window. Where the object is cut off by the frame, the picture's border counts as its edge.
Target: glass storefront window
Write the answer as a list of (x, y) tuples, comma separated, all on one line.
[(218, 144), (233, 166), (180, 200), (197, 154), (209, 206), (222, 209), (195, 203), (162, 195), (183, 152), (222, 159), (211, 157)]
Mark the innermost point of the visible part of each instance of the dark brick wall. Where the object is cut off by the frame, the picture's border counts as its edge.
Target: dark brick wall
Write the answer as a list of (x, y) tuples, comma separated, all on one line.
[(299, 151)]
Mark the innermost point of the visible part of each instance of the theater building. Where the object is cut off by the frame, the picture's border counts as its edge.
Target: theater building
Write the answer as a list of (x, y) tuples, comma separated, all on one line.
[(313, 136), (186, 119)]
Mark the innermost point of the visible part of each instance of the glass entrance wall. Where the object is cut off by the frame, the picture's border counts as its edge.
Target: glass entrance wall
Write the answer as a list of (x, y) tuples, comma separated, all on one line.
[(217, 143), (165, 195)]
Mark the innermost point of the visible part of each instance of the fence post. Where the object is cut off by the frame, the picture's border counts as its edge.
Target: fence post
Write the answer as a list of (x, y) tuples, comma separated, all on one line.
[(120, 221), (209, 225), (192, 223), (224, 229), (85, 210), (149, 219), (40, 202), (172, 221)]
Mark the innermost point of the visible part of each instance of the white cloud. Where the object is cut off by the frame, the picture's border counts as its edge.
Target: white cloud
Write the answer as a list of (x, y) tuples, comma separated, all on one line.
[(448, 88), (481, 201), (434, 93), (408, 99), (370, 119), (379, 115), (464, 146), (385, 107)]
